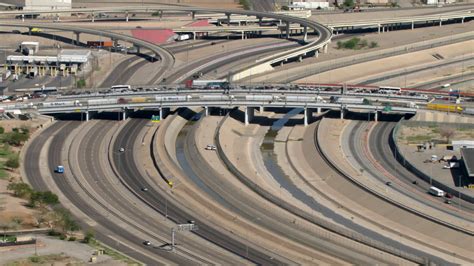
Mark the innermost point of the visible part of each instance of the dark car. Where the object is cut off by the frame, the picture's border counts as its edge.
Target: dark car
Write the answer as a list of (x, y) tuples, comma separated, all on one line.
[(448, 195)]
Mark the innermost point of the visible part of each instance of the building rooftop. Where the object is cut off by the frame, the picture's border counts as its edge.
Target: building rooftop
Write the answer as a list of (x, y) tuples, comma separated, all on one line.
[(468, 158)]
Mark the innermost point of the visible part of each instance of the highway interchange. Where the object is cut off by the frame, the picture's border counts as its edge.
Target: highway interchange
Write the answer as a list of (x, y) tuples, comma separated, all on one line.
[(314, 208)]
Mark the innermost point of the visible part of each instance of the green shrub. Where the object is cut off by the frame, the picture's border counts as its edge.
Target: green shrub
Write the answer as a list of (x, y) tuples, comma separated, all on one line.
[(373, 44), (72, 238), (81, 83), (89, 236), (2, 130), (13, 162), (245, 4), (62, 236), (21, 190), (35, 259)]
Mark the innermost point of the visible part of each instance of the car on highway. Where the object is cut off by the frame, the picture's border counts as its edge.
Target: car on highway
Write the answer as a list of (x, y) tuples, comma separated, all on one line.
[(144, 189), (448, 195), (211, 147), (59, 169), (388, 183), (121, 149), (448, 201), (147, 243)]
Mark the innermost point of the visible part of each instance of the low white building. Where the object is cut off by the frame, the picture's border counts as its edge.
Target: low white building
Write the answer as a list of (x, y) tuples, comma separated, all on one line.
[(39, 4), (431, 2), (462, 144), (310, 4)]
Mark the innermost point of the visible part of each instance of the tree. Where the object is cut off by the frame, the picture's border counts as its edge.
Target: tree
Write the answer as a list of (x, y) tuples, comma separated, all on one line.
[(16, 138), (66, 221), (43, 198), (447, 132), (21, 190), (2, 130), (13, 162), (348, 3), (89, 236)]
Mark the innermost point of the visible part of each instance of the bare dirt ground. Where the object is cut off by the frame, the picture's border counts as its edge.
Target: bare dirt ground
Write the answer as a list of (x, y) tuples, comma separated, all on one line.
[(52, 251)]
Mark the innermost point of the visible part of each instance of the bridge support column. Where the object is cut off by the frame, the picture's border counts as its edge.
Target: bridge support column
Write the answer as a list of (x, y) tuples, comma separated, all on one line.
[(126, 17), (262, 109), (378, 29), (193, 15), (124, 114), (243, 35), (412, 25), (228, 18), (22, 17), (383, 28), (260, 21), (138, 49), (164, 112), (343, 111), (308, 114), (93, 17), (300, 58), (206, 111), (87, 115), (440, 22), (161, 14), (316, 53), (318, 110), (287, 29), (325, 49), (249, 114), (376, 116), (305, 34), (29, 31), (462, 20), (77, 37)]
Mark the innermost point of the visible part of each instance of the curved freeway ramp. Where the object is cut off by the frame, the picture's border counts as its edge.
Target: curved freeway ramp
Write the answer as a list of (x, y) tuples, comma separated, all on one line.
[(324, 33)]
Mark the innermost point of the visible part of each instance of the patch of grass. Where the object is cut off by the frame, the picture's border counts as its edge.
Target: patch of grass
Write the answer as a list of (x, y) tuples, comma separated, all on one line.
[(8, 238), (245, 4)]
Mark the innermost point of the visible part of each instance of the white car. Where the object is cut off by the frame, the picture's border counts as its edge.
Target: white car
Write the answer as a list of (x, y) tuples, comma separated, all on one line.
[(121, 150), (211, 147)]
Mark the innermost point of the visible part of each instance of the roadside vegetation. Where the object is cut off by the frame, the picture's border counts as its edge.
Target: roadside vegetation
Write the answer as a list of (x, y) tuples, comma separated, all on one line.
[(356, 44), (9, 141), (52, 259), (245, 4), (58, 219)]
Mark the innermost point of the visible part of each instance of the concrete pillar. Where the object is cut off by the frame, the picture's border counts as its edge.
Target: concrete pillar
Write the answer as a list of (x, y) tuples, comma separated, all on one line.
[(243, 36), (206, 111), (138, 48), (316, 53), (462, 20), (342, 112), (262, 109), (193, 15), (412, 25), (93, 17), (325, 49), (287, 29), (249, 114), (23, 17), (77, 38), (164, 112), (308, 114), (376, 116), (300, 58), (29, 31), (378, 28), (124, 114), (260, 21), (305, 33), (318, 110), (440, 22), (383, 28), (87, 115), (228, 18), (126, 17)]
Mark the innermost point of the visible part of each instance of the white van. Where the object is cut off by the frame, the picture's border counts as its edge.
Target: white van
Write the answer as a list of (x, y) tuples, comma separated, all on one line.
[(436, 192)]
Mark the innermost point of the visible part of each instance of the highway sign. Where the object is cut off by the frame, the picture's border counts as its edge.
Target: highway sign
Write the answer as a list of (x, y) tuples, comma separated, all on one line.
[(155, 118)]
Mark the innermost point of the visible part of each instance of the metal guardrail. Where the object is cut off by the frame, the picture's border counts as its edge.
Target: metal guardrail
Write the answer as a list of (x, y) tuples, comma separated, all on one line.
[(383, 197), (304, 215), (412, 168)]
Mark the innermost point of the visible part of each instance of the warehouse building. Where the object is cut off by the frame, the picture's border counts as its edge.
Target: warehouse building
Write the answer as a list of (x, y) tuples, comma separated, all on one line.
[(467, 155), (39, 4)]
